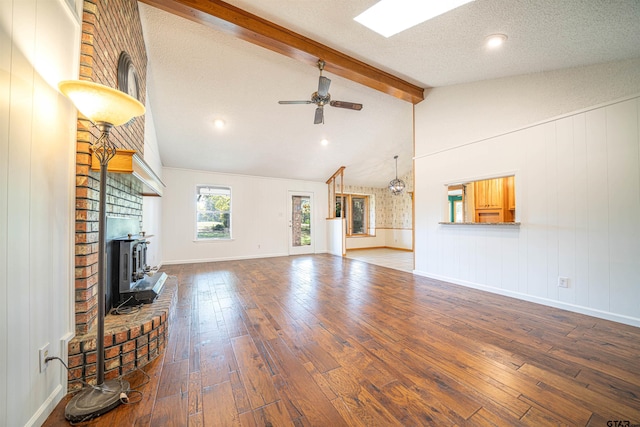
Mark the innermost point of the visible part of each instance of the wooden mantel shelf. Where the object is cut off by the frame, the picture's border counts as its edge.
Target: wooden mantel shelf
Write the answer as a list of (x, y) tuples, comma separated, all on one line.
[(128, 162)]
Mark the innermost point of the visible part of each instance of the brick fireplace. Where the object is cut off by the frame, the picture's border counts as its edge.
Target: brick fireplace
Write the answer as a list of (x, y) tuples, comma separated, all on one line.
[(109, 28)]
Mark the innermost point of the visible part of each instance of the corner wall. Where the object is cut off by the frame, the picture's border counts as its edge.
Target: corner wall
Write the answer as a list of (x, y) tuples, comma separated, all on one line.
[(577, 187)]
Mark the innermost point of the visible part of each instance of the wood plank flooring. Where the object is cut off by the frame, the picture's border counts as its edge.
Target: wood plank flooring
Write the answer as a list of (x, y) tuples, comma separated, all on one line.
[(326, 341)]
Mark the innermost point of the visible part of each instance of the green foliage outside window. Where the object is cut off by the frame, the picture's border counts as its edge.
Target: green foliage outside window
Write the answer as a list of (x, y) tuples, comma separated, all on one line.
[(356, 211), (213, 207)]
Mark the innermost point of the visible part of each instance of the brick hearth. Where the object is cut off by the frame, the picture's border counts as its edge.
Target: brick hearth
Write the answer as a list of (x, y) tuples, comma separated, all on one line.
[(131, 340)]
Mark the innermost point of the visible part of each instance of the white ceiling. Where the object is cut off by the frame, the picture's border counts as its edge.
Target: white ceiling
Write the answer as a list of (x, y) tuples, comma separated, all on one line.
[(197, 74)]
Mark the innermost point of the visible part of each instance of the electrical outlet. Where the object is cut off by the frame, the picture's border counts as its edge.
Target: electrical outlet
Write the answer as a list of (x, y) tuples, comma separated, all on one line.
[(43, 353), (563, 282)]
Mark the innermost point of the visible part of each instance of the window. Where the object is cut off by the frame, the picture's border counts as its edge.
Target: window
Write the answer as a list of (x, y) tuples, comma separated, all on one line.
[(356, 212), (213, 212), (488, 200)]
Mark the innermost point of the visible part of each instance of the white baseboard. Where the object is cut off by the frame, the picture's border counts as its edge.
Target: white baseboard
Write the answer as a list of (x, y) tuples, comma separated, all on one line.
[(627, 320), (47, 407), (233, 258)]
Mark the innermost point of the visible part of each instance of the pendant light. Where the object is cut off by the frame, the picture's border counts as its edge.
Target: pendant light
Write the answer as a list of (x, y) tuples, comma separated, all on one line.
[(396, 186)]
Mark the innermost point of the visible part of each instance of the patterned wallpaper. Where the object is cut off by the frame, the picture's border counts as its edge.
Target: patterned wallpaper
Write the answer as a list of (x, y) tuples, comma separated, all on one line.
[(388, 211)]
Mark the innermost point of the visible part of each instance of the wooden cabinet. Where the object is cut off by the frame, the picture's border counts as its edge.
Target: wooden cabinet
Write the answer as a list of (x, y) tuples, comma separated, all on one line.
[(489, 193), (510, 201), (511, 196), (489, 215), (489, 200)]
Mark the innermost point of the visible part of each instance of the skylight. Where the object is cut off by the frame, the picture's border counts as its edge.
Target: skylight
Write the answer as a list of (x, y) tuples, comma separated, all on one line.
[(389, 17)]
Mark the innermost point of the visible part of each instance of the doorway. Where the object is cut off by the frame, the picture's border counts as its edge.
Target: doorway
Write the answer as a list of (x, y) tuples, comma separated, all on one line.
[(301, 230)]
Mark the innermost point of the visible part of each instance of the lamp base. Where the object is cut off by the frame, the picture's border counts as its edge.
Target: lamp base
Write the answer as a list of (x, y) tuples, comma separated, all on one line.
[(93, 402)]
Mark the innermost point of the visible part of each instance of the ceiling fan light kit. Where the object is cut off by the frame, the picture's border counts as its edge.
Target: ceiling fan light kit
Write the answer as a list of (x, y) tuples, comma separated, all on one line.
[(322, 97)]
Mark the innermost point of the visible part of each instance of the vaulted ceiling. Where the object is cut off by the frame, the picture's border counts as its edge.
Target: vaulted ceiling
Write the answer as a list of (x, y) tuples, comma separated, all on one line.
[(201, 69)]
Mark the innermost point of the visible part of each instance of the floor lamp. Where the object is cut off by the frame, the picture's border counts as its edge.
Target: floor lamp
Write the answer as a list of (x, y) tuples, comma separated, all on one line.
[(105, 107)]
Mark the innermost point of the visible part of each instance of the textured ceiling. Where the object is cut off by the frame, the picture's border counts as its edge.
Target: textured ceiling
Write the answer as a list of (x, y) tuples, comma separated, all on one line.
[(197, 74)]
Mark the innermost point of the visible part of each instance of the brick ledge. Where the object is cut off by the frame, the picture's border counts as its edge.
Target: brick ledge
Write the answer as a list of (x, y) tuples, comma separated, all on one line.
[(130, 341)]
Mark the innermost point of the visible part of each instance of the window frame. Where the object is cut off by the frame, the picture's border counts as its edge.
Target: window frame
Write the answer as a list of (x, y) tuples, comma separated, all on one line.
[(348, 209), (229, 236)]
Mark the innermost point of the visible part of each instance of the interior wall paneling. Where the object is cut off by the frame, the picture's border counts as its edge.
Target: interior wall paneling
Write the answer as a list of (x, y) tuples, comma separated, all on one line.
[(578, 200), (598, 210), (580, 192), (6, 29), (623, 176), (566, 207), (37, 130)]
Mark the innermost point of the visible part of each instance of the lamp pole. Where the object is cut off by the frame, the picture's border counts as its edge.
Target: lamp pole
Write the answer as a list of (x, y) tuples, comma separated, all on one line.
[(104, 151)]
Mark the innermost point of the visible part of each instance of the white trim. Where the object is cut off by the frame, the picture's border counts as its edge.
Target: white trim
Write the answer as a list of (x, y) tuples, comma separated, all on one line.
[(74, 14), (47, 407), (231, 258), (627, 320)]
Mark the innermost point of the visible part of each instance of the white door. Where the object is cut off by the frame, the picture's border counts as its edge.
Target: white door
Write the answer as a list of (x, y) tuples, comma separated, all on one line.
[(301, 223)]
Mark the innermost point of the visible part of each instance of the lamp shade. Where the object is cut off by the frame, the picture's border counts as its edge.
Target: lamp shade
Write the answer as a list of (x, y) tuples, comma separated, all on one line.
[(100, 103)]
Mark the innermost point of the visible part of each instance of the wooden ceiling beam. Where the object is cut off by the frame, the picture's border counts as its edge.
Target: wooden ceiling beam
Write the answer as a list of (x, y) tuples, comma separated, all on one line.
[(246, 26)]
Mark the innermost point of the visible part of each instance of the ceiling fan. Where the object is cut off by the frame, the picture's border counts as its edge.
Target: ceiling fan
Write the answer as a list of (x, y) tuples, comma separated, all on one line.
[(322, 97)]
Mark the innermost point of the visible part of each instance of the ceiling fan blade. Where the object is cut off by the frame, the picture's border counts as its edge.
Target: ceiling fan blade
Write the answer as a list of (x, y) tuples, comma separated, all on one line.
[(295, 102), (323, 86), (319, 118), (347, 105)]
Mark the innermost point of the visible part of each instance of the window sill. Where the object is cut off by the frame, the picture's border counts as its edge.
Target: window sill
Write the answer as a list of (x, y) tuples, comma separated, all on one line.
[(212, 240)]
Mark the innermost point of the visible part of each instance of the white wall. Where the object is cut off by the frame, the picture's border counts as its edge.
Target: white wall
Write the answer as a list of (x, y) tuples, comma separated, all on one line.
[(37, 178), (259, 221), (395, 238), (364, 242), (152, 206), (398, 238), (460, 114), (335, 236), (577, 187)]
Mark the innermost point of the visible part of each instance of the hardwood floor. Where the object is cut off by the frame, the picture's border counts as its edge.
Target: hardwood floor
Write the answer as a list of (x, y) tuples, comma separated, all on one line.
[(326, 341)]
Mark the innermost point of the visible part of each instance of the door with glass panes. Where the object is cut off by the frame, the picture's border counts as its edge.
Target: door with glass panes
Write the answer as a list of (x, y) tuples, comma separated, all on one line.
[(301, 223)]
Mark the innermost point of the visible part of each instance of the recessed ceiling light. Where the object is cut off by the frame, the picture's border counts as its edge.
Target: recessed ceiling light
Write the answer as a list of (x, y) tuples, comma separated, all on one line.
[(389, 17), (495, 40), (324, 142), (219, 123)]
